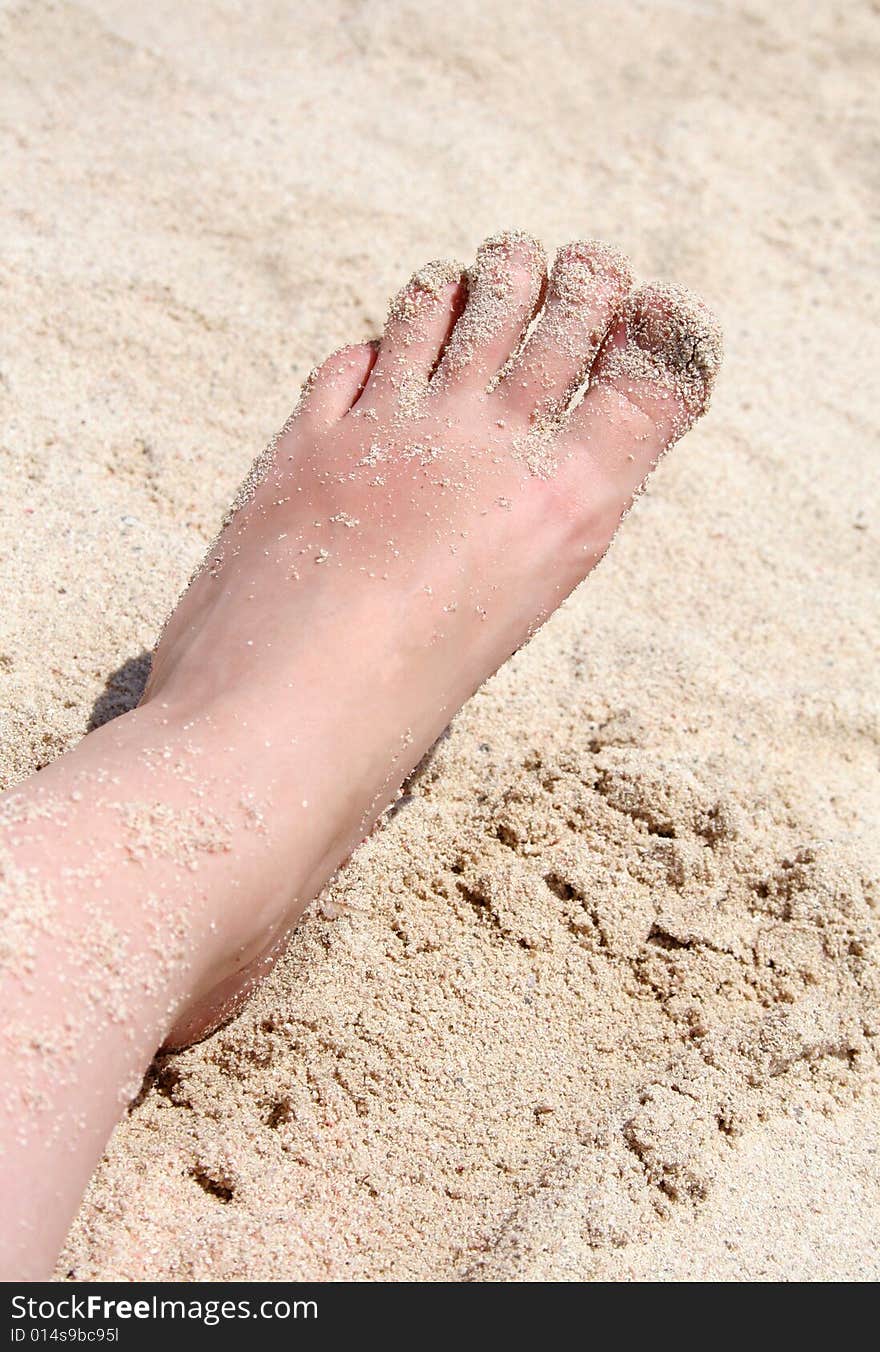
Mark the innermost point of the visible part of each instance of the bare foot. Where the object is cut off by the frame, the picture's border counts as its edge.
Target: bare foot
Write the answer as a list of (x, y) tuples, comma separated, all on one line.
[(431, 501)]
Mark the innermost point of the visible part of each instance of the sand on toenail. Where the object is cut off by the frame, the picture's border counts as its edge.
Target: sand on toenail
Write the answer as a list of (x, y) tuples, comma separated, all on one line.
[(671, 348), (575, 268), (491, 294), (678, 331), (428, 283)]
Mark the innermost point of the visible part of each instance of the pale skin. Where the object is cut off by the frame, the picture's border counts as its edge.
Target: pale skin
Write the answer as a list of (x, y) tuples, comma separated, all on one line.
[(421, 516)]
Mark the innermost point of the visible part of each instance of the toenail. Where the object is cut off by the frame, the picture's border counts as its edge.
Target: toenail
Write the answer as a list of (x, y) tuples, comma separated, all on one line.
[(680, 338), (598, 259), (674, 325)]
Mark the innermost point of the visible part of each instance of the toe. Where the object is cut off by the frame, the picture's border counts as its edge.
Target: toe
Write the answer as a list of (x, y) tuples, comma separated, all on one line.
[(419, 323), (335, 385), (650, 382), (587, 287), (504, 290)]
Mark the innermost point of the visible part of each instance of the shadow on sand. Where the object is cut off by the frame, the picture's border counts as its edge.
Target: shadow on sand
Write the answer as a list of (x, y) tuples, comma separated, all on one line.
[(122, 691)]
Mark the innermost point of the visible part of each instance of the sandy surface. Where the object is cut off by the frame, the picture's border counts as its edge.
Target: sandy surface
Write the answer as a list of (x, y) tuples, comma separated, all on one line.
[(599, 1001)]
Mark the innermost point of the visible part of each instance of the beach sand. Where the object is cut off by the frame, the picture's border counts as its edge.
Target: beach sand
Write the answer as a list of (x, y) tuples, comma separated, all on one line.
[(599, 999)]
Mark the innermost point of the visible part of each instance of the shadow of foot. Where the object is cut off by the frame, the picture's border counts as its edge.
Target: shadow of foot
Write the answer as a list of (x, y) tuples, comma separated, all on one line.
[(122, 692)]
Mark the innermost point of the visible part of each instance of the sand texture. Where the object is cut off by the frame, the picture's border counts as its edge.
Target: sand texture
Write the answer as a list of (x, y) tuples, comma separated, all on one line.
[(599, 1000)]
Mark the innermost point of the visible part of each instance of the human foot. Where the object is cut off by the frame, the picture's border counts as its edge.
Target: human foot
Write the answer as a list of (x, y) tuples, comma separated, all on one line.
[(432, 500)]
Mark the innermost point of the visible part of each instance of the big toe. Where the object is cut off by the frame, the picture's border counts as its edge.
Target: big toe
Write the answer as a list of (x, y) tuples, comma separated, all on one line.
[(651, 381)]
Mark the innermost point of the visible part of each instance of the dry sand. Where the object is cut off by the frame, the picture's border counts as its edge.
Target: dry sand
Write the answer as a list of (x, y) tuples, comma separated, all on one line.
[(599, 1001)]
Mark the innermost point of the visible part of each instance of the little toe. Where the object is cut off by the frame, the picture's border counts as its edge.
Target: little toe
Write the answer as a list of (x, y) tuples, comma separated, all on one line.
[(587, 287), (505, 287), (651, 381), (334, 386), (420, 320)]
